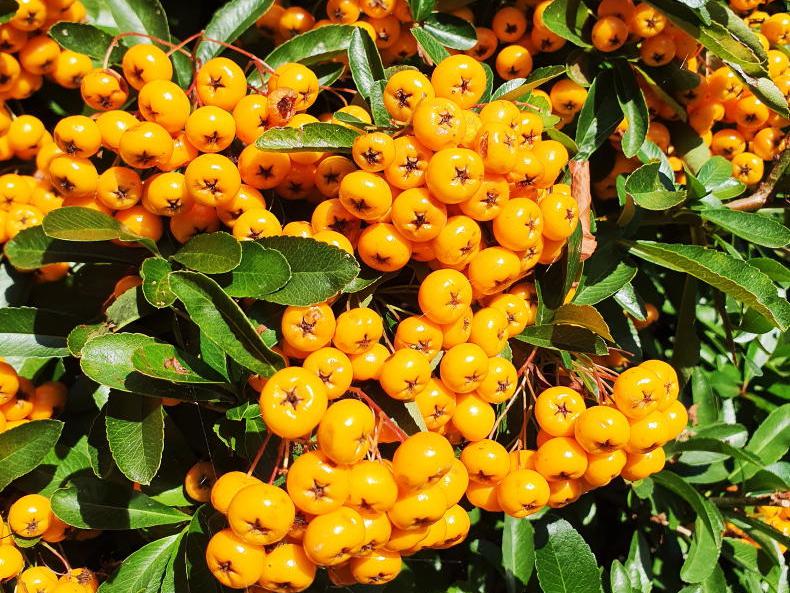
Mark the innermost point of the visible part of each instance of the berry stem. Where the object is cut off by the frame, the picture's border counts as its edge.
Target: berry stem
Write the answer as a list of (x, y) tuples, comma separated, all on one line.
[(57, 555), (252, 57), (259, 453), (402, 436)]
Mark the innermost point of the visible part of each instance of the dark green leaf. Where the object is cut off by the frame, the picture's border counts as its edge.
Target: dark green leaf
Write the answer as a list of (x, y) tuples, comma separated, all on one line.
[(164, 361), (708, 404), (563, 337), (771, 440), (605, 275), (136, 434), (634, 107), (565, 563), (98, 448), (74, 223), (32, 249), (689, 146), (451, 31), (141, 16), (85, 39), (600, 114), (24, 447), (753, 227), (228, 23), (80, 335), (309, 137), (127, 308), (431, 47), (100, 504), (155, 273), (569, 19), (651, 189), (142, 571), (518, 553), (514, 90), (213, 253), (261, 272), (381, 116), (421, 9), (107, 359), (657, 86), (582, 316), (318, 270), (733, 277), (619, 578), (702, 555), (29, 332), (222, 321), (364, 61), (771, 268), (638, 564)]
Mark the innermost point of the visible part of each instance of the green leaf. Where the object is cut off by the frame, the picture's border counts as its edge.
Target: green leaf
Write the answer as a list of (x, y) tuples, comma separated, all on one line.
[(32, 249), (8, 9), (765, 89), (689, 146), (165, 361), (30, 332), (24, 447), (518, 553), (514, 90), (563, 337), (638, 564), (228, 23), (74, 223), (261, 272), (99, 455), (569, 19), (657, 86), (605, 275), (312, 47), (771, 440), (421, 9), (85, 39), (733, 277), (143, 570), (127, 308), (565, 563), (600, 114), (717, 446), (634, 107), (714, 172), (771, 268), (68, 457), (708, 404), (136, 434), (381, 116), (431, 47), (751, 226), (80, 335), (223, 322), (318, 270), (212, 253), (583, 316), (702, 555), (365, 62), (619, 578), (651, 189), (451, 31), (309, 137), (100, 504), (155, 273), (107, 359), (141, 16)]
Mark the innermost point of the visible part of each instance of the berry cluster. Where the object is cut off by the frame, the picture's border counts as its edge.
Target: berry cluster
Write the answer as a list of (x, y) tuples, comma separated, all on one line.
[(21, 401)]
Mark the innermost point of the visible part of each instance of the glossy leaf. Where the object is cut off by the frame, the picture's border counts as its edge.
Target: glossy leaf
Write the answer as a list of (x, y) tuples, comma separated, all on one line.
[(318, 270), (514, 90), (155, 273), (753, 227), (143, 570), (420, 9), (260, 272), (365, 62), (141, 16), (213, 253), (228, 23), (599, 116), (85, 39), (733, 277), (451, 31), (652, 190), (634, 107), (518, 552), (565, 563), (136, 435), (30, 332), (431, 47), (308, 138), (24, 447), (164, 361), (569, 19), (563, 337)]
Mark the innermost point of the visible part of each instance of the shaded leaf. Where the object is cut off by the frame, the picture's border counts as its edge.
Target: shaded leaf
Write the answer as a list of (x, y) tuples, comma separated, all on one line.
[(24, 447), (136, 435), (30, 332)]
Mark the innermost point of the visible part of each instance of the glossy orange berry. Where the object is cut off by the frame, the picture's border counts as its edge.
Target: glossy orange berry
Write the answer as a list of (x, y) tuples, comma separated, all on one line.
[(316, 484), (73, 177), (348, 536), (560, 458), (483, 496), (164, 103), (609, 33), (333, 367), (436, 404), (365, 195), (473, 417), (198, 219), (668, 378), (210, 129), (346, 431), (567, 97), (308, 328), (166, 194), (299, 78), (454, 174), (438, 123), (140, 222), (373, 488), (637, 392), (601, 429), (378, 568), (293, 21), (486, 461), (368, 365), (464, 367), (417, 508), (408, 168), (560, 215), (287, 569), (647, 21), (602, 468), (330, 173), (373, 152), (383, 248), (420, 334), (458, 242), (199, 481), (119, 188), (227, 486), (233, 562), (39, 55), (421, 460), (358, 330), (557, 409), (145, 145), (221, 82), (262, 169), (417, 215), (11, 562), (145, 62), (444, 296), (405, 374), (747, 168), (212, 179), (342, 11), (260, 514), (292, 402), (500, 382), (404, 91), (29, 515), (522, 492), (30, 15), (641, 465), (37, 578), (648, 432), (677, 418)]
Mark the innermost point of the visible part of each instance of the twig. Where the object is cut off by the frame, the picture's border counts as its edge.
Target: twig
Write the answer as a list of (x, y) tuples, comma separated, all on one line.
[(259, 453), (765, 190), (580, 190), (402, 436), (57, 555), (772, 499)]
